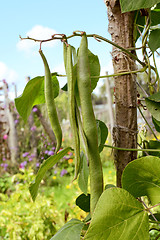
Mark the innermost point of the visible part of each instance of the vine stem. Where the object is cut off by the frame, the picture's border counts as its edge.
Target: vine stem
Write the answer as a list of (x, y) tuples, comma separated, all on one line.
[(132, 149), (154, 206), (148, 209), (95, 36), (147, 123)]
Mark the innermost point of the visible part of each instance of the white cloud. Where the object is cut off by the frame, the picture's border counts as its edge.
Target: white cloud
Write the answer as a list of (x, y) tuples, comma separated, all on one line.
[(38, 32), (8, 74)]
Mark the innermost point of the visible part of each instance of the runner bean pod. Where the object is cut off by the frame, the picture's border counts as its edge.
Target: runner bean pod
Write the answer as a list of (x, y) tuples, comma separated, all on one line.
[(51, 107), (89, 122)]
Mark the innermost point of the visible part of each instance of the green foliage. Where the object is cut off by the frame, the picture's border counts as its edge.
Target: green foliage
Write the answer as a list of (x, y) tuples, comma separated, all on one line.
[(102, 134), (154, 39), (83, 202), (131, 5), (47, 164), (33, 94), (83, 174), (70, 231), (141, 178), (118, 215), (20, 218)]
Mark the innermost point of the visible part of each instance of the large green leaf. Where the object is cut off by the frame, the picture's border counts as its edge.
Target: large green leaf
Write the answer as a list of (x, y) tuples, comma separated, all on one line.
[(83, 174), (141, 177), (70, 231), (47, 164), (154, 39), (33, 94), (131, 5), (154, 108), (118, 216)]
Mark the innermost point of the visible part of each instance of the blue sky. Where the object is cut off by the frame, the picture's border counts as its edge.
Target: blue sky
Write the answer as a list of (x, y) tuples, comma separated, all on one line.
[(42, 18)]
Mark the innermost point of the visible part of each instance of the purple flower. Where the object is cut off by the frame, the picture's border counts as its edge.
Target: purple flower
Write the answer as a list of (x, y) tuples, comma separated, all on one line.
[(53, 148), (23, 164), (25, 154), (46, 152), (4, 159), (55, 172), (5, 165), (42, 158), (37, 164), (16, 121), (50, 153), (66, 158), (33, 128), (30, 159), (34, 109), (63, 172)]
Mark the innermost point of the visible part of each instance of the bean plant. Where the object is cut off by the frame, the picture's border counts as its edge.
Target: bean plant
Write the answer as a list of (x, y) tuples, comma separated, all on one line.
[(130, 212)]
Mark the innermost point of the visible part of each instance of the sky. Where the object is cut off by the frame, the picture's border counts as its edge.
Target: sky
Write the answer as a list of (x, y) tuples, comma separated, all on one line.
[(40, 19)]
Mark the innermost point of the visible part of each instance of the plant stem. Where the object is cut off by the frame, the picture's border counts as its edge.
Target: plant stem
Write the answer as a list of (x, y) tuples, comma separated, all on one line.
[(149, 211), (154, 206), (132, 149), (147, 123), (121, 73)]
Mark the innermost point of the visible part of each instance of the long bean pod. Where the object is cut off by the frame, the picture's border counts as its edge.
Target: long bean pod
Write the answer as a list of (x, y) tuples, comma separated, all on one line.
[(51, 108), (89, 122), (72, 109)]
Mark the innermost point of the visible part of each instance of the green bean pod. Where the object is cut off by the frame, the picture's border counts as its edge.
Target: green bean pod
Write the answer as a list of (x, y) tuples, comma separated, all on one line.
[(71, 79), (51, 107), (65, 55), (89, 122)]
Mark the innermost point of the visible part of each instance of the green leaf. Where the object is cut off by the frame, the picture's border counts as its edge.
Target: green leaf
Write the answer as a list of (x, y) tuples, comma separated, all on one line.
[(154, 108), (94, 69), (156, 124), (33, 94), (154, 40), (154, 97), (153, 144), (118, 216), (70, 231), (83, 202), (155, 18), (83, 174), (141, 177), (47, 164), (131, 5), (102, 134)]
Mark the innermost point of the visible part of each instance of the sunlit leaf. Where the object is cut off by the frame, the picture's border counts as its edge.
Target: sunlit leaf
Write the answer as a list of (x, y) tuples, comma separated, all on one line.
[(141, 177), (131, 5), (118, 216), (154, 108), (33, 94), (70, 231), (47, 164)]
